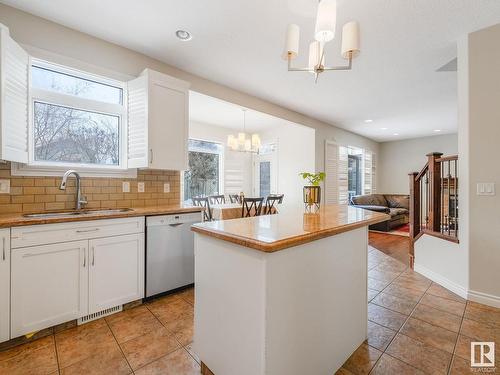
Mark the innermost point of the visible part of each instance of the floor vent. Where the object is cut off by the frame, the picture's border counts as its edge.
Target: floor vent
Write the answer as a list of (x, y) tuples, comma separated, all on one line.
[(99, 314)]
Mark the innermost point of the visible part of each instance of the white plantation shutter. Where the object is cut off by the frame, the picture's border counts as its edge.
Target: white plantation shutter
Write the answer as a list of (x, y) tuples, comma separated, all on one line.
[(343, 176), (374, 173), (331, 179), (234, 179), (138, 122), (14, 73), (369, 172)]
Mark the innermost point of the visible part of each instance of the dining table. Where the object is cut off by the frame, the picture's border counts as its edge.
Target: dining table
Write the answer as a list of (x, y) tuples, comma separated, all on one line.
[(226, 211)]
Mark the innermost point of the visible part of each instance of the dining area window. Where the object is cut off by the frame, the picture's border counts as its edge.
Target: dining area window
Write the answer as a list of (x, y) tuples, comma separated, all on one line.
[(204, 176)]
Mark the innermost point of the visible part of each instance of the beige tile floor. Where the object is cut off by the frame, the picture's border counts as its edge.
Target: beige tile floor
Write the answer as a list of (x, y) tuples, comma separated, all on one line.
[(153, 338), (414, 327)]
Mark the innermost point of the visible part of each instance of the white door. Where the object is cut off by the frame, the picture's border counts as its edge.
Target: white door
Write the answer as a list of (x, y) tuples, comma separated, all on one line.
[(116, 273), (265, 176), (4, 284), (49, 285)]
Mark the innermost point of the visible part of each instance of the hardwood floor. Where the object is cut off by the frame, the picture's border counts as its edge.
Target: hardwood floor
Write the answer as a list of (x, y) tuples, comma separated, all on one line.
[(395, 246)]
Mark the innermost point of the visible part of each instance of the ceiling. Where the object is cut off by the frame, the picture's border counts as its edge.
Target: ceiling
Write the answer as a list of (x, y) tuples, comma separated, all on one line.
[(238, 43), (209, 110)]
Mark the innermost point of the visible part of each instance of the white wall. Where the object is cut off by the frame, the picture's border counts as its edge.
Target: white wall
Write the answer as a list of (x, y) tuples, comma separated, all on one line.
[(52, 37), (433, 259), (475, 263), (479, 148), (237, 165), (399, 158), (296, 153)]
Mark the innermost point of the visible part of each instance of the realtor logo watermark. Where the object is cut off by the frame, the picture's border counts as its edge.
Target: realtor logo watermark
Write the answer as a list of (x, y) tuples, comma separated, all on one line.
[(482, 356)]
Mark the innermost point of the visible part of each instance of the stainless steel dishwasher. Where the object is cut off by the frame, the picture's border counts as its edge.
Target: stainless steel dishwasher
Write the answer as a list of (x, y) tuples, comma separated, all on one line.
[(169, 252)]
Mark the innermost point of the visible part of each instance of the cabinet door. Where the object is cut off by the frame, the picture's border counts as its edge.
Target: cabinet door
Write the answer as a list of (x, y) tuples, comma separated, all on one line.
[(168, 122), (116, 273), (4, 284), (49, 285)]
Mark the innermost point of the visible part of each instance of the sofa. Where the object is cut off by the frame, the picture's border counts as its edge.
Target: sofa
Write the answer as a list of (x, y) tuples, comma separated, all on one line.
[(395, 205)]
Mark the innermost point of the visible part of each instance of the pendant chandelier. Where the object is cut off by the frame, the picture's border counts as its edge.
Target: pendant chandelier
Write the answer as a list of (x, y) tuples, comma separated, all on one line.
[(326, 20), (241, 143)]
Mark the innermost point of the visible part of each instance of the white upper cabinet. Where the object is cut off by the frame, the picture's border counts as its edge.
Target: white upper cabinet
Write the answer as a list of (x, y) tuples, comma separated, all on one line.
[(158, 122), (14, 73)]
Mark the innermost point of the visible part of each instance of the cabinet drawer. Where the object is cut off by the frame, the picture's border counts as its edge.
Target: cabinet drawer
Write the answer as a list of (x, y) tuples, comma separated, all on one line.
[(82, 230)]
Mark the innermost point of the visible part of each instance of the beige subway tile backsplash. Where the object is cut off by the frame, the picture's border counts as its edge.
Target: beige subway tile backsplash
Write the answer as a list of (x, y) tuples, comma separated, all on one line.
[(35, 194)]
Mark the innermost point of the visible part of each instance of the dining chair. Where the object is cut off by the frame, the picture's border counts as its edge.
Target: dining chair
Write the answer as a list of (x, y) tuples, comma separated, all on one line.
[(234, 198), (217, 199), (251, 207), (272, 201), (205, 203)]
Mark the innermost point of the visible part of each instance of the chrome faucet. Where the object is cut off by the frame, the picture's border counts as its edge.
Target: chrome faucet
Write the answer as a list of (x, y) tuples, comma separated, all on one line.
[(79, 200)]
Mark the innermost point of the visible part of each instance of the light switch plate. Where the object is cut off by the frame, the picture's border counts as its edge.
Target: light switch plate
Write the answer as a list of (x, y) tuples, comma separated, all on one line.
[(140, 187), (485, 188), (4, 186), (126, 187), (166, 187)]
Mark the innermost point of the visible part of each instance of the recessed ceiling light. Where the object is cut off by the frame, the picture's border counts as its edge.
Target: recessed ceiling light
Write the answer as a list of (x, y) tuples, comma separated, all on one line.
[(383, 128), (437, 130), (396, 134), (368, 121), (183, 35)]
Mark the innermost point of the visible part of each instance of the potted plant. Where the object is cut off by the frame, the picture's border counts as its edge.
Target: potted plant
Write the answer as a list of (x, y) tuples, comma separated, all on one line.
[(312, 192)]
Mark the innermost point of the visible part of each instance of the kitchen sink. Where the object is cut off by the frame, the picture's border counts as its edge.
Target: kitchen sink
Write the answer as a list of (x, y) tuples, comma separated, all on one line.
[(78, 213)]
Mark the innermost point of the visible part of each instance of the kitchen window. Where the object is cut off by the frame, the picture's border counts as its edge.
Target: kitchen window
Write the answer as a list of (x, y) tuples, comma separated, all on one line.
[(77, 120)]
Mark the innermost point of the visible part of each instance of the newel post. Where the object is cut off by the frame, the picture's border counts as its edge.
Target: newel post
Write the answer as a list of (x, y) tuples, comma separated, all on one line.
[(414, 213), (435, 191)]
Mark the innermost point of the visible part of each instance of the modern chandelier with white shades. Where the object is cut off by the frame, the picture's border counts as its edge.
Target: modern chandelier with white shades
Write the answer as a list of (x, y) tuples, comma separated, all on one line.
[(326, 20), (241, 143)]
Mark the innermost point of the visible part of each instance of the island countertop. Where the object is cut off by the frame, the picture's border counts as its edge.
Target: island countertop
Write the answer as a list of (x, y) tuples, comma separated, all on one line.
[(270, 233)]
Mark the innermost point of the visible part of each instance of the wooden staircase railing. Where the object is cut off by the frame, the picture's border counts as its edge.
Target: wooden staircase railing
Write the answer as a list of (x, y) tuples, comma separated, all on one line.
[(434, 200)]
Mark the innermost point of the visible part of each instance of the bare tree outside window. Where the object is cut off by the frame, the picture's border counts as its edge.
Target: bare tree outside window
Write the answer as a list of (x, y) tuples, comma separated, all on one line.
[(70, 135), (75, 135), (202, 178)]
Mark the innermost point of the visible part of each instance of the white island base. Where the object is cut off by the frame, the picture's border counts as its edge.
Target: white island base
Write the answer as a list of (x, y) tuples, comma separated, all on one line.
[(302, 310)]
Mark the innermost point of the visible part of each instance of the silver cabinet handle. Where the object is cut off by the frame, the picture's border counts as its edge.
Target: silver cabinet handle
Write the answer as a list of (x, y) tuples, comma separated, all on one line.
[(87, 230), (3, 248), (175, 225), (150, 155), (93, 256), (84, 258)]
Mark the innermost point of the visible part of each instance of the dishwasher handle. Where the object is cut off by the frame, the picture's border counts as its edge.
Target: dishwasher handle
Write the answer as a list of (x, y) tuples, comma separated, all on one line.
[(173, 220)]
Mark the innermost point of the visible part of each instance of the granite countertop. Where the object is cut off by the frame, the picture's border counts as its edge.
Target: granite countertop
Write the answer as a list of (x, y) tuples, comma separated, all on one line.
[(17, 219), (269, 233)]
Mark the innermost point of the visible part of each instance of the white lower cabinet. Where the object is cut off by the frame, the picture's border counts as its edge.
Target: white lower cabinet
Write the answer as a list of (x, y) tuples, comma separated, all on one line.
[(52, 283), (49, 285), (4, 284), (116, 273)]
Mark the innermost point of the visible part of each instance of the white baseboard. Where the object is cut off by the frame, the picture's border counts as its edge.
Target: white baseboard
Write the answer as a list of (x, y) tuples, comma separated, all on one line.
[(444, 282), (484, 298)]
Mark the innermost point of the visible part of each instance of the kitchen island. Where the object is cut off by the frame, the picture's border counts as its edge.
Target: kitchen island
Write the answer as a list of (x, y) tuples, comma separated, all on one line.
[(282, 294)]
